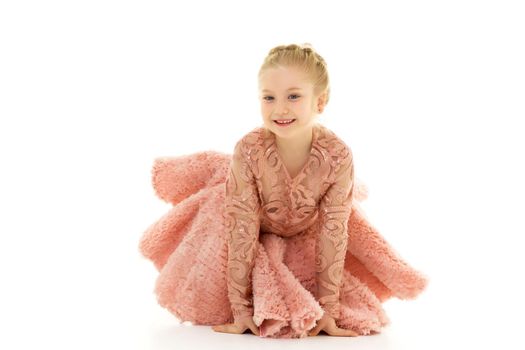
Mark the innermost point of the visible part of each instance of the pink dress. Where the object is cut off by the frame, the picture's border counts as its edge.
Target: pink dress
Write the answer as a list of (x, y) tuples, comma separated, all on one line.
[(246, 238)]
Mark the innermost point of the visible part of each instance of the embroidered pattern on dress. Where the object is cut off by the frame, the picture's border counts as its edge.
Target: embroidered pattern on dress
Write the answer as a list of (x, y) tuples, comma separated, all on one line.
[(261, 195)]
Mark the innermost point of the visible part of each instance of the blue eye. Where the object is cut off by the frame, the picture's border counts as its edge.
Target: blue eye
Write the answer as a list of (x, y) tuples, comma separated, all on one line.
[(270, 97)]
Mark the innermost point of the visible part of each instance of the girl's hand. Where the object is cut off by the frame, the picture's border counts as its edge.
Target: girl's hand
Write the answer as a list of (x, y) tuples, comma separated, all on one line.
[(238, 327), (327, 324)]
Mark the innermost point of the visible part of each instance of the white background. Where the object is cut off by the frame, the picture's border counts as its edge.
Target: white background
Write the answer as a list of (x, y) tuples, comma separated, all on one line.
[(428, 94)]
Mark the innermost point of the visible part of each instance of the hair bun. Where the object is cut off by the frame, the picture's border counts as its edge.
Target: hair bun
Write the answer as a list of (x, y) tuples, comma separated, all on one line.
[(307, 47)]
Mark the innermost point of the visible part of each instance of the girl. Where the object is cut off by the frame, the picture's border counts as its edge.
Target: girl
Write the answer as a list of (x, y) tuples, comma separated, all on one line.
[(293, 254)]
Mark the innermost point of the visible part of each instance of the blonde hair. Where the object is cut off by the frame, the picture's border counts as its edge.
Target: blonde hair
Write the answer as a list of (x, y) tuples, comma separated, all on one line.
[(304, 57)]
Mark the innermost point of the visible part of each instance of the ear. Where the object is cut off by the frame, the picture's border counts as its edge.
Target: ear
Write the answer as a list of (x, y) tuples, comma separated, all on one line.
[(321, 102)]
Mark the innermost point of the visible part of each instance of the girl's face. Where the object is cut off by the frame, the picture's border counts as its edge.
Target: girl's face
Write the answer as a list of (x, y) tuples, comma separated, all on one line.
[(286, 93)]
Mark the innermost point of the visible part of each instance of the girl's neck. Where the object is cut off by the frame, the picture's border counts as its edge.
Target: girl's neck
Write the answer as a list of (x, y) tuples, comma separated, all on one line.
[(298, 145)]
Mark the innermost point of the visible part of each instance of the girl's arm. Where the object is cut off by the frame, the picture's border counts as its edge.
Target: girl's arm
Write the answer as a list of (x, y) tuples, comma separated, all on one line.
[(242, 224), (335, 208)]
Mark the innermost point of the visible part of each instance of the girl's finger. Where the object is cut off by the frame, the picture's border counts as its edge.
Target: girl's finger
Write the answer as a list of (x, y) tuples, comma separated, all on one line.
[(341, 332), (348, 332), (335, 332), (352, 333), (314, 331), (219, 328), (253, 327), (226, 328)]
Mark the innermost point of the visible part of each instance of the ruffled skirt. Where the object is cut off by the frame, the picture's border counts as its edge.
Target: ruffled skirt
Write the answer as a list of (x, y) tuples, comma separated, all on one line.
[(188, 246)]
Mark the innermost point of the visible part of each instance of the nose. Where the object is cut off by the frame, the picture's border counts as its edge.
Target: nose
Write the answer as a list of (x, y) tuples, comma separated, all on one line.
[(283, 109)]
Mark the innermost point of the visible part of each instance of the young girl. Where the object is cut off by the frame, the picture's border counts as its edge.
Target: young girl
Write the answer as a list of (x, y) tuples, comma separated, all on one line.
[(283, 249)]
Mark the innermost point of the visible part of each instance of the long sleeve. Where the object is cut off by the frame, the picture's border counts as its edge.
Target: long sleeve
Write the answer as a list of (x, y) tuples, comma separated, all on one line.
[(242, 208), (331, 244)]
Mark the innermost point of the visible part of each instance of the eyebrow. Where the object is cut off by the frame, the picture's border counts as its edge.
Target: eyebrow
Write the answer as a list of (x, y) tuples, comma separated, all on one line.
[(292, 88)]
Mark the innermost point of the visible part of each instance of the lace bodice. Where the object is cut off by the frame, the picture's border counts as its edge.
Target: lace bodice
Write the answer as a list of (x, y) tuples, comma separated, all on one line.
[(261, 196)]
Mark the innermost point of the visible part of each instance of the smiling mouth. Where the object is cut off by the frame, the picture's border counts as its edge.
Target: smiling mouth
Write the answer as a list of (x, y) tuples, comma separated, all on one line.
[(284, 121)]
